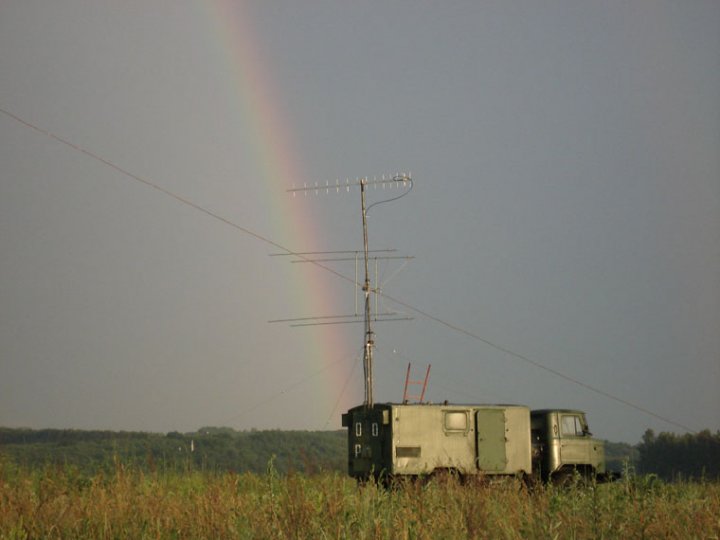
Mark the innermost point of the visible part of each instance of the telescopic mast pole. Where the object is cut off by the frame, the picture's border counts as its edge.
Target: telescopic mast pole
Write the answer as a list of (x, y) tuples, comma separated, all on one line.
[(369, 341)]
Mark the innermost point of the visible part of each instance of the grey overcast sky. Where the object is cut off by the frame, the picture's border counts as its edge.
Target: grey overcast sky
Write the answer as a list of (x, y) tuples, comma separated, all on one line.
[(566, 208)]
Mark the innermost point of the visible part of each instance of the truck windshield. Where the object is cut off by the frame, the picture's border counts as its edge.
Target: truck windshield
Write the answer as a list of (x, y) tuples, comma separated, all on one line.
[(572, 426)]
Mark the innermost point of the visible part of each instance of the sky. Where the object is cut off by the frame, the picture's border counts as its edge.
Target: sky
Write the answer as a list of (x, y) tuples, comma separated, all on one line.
[(564, 217)]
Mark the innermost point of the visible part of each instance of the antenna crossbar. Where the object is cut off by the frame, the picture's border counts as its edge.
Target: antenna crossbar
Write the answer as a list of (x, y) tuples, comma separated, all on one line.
[(351, 322), (324, 317), (315, 318), (376, 317), (339, 259), (336, 252)]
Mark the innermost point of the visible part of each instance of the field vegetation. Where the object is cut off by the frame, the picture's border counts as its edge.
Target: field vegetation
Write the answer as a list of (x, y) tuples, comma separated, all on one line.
[(128, 502), (222, 483)]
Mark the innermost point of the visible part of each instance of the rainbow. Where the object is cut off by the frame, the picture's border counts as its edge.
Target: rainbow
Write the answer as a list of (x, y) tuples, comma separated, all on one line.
[(279, 167)]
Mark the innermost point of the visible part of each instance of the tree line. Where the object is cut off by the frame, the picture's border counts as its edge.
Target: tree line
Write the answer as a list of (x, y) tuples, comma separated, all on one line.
[(689, 456), (670, 456), (209, 448)]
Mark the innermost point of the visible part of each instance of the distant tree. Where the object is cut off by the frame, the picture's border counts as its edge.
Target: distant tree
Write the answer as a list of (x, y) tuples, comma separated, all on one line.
[(688, 456)]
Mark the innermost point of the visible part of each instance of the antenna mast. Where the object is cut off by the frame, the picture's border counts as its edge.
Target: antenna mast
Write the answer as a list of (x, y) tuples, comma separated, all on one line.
[(392, 181), (369, 342)]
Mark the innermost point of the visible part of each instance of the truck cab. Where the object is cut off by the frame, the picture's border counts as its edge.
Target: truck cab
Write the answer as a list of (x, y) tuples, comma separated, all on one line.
[(562, 444)]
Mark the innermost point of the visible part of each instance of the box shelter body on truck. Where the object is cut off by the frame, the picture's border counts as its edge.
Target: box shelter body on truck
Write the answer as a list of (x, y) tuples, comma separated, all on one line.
[(388, 440)]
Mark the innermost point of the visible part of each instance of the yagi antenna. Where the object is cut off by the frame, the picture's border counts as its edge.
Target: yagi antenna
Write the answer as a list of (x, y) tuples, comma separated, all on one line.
[(397, 181)]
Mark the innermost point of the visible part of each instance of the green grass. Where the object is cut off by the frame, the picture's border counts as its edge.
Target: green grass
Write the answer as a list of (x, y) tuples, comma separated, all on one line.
[(59, 502)]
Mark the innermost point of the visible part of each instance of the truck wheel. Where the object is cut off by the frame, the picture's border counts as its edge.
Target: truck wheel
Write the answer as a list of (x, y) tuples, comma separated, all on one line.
[(568, 476), (532, 481), (563, 477)]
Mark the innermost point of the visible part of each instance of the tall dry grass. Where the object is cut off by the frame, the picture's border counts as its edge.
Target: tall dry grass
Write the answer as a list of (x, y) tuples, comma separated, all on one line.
[(61, 503)]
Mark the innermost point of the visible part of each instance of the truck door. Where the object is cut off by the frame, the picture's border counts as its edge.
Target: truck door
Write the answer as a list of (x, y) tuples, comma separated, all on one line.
[(574, 447), (368, 437), (491, 440)]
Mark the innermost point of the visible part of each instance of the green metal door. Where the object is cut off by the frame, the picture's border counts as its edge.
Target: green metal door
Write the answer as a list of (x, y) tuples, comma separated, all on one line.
[(491, 440)]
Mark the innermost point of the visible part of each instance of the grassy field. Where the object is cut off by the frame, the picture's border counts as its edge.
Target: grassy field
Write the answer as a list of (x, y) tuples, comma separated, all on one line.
[(61, 503)]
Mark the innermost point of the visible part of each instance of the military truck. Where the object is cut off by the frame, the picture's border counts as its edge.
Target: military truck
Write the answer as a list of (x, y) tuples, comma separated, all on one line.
[(387, 440), (390, 440)]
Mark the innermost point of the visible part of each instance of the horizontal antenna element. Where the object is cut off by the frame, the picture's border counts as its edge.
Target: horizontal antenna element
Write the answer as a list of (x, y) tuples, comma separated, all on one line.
[(354, 252), (343, 319), (338, 259)]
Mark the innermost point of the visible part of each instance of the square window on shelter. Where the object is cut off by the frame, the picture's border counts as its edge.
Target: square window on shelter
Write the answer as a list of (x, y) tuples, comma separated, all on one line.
[(455, 421)]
